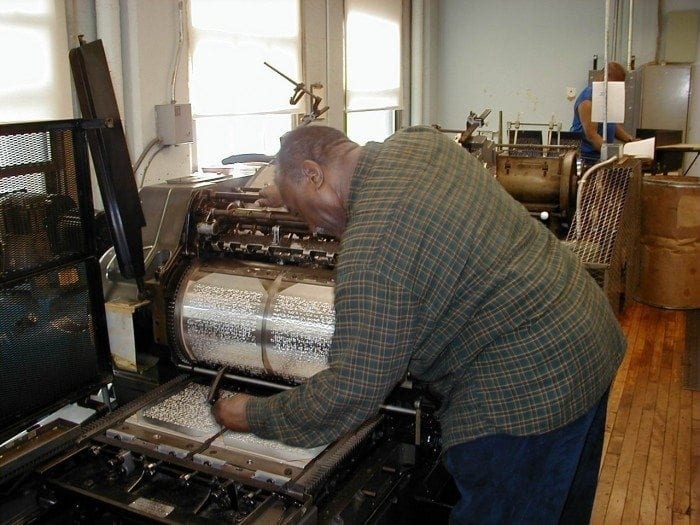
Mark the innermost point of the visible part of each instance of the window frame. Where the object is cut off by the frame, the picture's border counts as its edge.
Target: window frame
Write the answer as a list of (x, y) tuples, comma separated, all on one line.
[(322, 56), (294, 112)]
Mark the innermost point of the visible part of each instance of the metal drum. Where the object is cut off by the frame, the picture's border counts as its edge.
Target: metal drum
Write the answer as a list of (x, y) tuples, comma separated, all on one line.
[(258, 319), (670, 242), (540, 183)]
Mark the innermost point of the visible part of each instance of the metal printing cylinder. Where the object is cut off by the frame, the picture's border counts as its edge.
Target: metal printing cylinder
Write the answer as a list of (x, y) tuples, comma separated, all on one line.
[(540, 183), (260, 319)]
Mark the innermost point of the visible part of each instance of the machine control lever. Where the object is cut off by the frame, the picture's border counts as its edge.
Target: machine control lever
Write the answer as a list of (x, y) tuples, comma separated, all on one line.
[(215, 385)]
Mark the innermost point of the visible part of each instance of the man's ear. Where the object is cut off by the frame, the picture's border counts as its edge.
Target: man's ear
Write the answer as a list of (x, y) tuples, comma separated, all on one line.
[(313, 172)]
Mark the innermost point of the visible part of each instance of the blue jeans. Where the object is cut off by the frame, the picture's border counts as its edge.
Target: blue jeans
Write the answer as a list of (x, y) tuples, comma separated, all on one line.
[(549, 478)]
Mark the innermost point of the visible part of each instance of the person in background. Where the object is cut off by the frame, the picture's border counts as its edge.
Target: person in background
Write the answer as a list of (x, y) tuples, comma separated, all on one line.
[(592, 132), (443, 276)]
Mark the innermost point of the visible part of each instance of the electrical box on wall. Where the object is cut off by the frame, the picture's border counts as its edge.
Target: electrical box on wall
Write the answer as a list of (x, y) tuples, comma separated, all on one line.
[(174, 123), (657, 97), (681, 35)]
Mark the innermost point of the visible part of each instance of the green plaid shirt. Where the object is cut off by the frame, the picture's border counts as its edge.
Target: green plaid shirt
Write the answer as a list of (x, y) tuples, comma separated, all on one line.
[(445, 276)]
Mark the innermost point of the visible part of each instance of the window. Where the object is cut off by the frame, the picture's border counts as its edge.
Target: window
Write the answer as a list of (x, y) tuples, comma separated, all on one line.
[(35, 83), (239, 105), (355, 49), (374, 125), (373, 67)]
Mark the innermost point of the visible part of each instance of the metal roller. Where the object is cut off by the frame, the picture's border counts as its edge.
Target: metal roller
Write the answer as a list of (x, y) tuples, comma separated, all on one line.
[(540, 183), (261, 319)]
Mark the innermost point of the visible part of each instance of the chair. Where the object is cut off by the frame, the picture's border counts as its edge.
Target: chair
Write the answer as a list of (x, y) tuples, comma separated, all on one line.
[(605, 229)]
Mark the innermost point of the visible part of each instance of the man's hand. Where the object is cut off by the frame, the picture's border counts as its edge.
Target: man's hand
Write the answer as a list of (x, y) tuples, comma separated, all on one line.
[(270, 197), (230, 412)]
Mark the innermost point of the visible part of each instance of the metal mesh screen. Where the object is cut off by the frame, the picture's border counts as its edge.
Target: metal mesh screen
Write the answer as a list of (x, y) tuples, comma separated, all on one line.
[(40, 210), (519, 138), (572, 142), (53, 346), (605, 227), (47, 341)]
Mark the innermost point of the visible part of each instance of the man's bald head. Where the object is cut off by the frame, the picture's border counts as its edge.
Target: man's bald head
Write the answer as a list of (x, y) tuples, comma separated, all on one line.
[(315, 166), (320, 144)]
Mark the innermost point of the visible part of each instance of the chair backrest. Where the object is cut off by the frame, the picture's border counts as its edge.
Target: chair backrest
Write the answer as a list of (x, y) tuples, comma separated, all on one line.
[(605, 228)]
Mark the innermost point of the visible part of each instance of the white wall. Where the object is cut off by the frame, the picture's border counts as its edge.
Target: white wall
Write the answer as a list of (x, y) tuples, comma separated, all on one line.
[(519, 56), (140, 40), (693, 135), (149, 43), (515, 56)]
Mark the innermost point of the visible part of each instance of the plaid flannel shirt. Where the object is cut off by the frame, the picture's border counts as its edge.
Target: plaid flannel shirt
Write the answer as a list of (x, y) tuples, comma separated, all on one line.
[(443, 275)]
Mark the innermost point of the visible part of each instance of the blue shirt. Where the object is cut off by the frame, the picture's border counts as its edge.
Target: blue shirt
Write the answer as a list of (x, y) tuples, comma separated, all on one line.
[(588, 152)]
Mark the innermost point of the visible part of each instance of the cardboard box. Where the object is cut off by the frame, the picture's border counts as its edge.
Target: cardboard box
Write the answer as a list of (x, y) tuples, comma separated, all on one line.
[(670, 242)]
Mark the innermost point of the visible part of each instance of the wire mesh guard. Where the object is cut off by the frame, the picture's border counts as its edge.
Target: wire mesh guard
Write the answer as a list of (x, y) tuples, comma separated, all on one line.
[(49, 315), (603, 231), (40, 214), (47, 340)]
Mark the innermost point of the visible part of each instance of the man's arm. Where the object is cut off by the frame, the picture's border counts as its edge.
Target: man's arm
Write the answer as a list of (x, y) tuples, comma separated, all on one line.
[(622, 135), (372, 345), (590, 128)]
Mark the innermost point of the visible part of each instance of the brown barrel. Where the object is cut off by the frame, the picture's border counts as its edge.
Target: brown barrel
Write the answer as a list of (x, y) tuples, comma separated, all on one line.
[(670, 242)]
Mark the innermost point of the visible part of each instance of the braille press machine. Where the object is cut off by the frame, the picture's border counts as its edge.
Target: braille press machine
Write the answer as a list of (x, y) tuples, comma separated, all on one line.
[(202, 293)]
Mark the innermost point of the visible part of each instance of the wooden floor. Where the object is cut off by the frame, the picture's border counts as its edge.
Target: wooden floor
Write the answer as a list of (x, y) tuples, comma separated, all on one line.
[(650, 471)]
